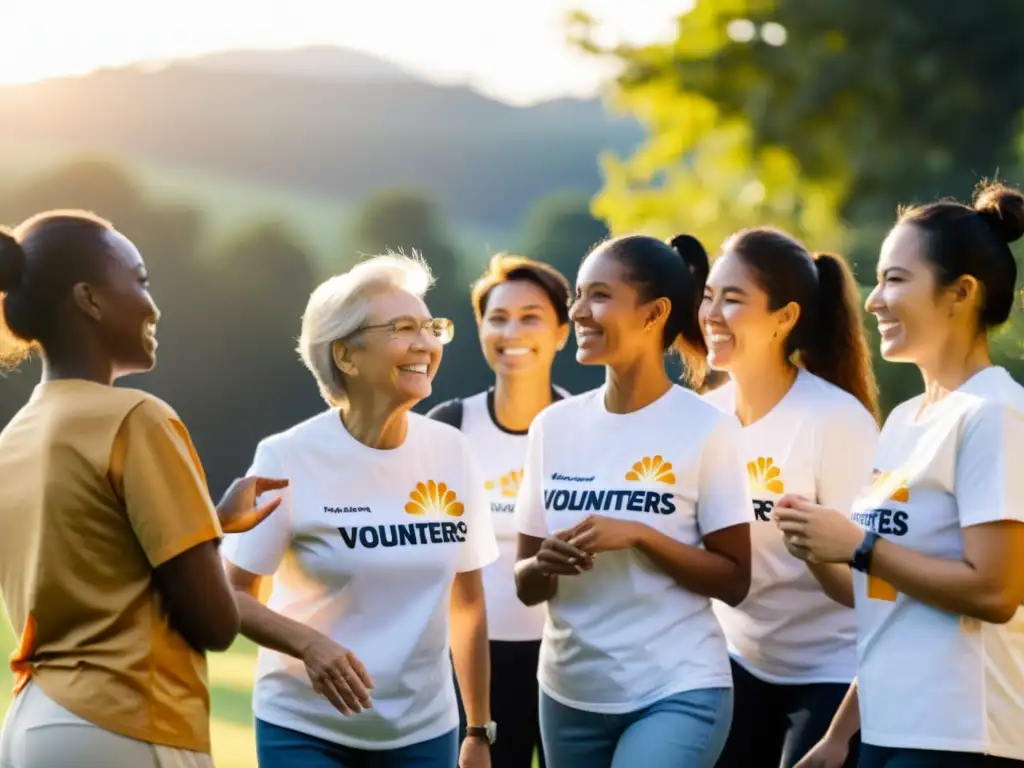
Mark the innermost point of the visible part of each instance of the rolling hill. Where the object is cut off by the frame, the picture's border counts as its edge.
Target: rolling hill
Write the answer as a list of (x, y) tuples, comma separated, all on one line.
[(325, 123)]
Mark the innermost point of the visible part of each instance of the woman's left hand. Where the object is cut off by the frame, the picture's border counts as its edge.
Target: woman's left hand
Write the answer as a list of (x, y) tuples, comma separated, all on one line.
[(475, 753), (824, 535), (596, 534)]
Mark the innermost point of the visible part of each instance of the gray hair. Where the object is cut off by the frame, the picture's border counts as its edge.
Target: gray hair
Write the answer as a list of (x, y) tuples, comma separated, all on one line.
[(339, 306)]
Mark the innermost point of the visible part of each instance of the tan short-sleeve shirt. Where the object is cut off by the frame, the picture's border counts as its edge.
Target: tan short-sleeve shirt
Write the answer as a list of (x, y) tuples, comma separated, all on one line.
[(100, 486)]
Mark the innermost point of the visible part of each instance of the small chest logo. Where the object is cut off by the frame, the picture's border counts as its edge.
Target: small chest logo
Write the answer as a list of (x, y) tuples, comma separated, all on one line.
[(652, 469), (434, 499), (507, 484), (764, 479)]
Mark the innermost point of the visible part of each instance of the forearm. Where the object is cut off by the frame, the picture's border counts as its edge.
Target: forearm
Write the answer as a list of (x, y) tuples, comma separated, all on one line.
[(835, 580), (270, 629), (949, 585), (846, 721), (533, 586), (698, 570), (472, 657)]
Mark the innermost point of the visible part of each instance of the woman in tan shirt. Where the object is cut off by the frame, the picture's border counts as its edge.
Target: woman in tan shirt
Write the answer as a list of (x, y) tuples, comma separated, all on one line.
[(109, 567)]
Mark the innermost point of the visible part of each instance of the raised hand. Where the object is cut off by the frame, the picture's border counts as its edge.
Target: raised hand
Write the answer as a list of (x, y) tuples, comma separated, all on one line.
[(238, 512)]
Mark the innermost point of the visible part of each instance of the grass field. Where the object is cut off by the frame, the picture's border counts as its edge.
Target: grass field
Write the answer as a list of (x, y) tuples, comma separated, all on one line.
[(231, 677)]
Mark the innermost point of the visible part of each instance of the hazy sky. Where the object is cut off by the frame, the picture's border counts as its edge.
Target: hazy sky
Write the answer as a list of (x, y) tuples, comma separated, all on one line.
[(513, 49)]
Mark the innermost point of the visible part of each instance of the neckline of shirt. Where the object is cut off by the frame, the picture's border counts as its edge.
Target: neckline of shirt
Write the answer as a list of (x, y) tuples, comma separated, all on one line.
[(338, 428), (493, 414), (802, 375), (651, 407), (976, 386)]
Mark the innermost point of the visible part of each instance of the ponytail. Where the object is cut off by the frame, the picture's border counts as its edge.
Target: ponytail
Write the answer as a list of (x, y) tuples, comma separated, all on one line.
[(687, 339), (829, 338), (834, 345)]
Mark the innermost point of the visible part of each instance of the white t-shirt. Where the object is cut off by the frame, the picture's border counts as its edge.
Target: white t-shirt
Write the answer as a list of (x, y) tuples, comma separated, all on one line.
[(500, 454), (818, 441), (625, 635), (364, 548), (929, 679)]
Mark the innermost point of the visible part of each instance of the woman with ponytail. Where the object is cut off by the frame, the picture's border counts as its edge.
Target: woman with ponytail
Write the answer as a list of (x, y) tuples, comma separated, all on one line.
[(633, 514), (786, 328)]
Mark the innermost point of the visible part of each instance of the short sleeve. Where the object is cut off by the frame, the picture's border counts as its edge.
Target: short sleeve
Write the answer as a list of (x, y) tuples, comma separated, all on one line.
[(989, 482), (529, 514), (261, 549), (846, 457), (723, 496), (157, 473), (480, 547)]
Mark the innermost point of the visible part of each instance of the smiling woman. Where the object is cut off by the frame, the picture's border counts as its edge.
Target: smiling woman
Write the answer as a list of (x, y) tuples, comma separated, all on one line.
[(385, 529), (522, 313), (111, 576), (936, 540), (633, 514)]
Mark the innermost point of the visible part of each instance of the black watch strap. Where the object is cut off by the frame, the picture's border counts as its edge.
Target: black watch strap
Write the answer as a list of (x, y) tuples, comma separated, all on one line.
[(862, 557), (486, 733)]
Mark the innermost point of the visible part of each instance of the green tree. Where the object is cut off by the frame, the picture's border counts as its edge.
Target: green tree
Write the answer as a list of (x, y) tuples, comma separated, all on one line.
[(405, 220), (809, 114), (560, 230)]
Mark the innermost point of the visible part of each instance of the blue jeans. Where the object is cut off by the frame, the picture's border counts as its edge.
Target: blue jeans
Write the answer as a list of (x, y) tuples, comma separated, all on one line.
[(278, 747), (688, 729), (889, 757)]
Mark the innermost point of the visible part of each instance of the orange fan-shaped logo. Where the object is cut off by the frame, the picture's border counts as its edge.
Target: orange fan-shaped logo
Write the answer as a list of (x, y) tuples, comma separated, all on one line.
[(432, 498), (652, 468), (764, 476), (509, 484), (891, 485)]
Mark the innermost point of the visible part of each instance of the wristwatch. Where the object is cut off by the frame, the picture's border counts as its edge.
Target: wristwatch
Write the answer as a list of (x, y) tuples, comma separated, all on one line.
[(488, 732), (862, 557)]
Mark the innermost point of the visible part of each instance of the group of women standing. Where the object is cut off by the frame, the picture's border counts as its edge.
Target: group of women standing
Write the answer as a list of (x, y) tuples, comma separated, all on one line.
[(644, 574)]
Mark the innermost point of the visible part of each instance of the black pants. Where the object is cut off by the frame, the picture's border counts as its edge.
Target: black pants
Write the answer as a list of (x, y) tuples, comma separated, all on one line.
[(886, 757), (774, 726), (514, 703)]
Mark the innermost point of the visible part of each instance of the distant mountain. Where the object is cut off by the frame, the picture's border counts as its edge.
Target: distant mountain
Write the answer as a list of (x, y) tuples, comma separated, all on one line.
[(313, 61), (325, 121)]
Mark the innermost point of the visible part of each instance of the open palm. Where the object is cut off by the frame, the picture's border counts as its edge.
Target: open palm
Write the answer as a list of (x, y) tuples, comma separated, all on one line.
[(238, 512)]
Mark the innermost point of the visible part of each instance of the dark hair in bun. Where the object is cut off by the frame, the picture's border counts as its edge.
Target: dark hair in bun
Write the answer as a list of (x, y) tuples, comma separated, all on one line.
[(12, 261), (40, 261), (974, 240), (676, 271)]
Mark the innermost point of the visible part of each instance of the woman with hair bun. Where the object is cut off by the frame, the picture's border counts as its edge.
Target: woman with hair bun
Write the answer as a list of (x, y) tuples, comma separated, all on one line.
[(936, 541), (786, 327), (111, 576), (633, 514)]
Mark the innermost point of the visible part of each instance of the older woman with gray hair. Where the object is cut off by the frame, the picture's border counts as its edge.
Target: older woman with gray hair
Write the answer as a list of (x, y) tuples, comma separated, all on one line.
[(376, 550)]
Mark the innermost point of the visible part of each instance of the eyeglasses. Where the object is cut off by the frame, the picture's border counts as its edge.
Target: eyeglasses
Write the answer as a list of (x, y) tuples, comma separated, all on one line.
[(406, 328)]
